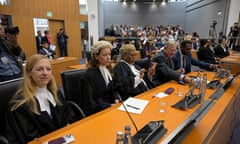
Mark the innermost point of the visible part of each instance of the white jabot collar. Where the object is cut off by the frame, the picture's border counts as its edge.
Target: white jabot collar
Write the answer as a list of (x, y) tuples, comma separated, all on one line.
[(44, 97), (133, 68), (106, 74)]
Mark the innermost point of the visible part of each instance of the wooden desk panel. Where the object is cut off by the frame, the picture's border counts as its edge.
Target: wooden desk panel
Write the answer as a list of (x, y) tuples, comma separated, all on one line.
[(62, 64), (232, 62), (79, 66), (217, 125), (102, 127)]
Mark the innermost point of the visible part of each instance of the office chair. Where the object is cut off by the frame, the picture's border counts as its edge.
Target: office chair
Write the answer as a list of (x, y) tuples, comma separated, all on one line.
[(7, 90), (71, 80)]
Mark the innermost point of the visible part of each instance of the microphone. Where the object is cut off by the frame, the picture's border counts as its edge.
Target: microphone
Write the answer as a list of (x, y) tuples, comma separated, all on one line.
[(229, 81), (130, 117), (150, 133)]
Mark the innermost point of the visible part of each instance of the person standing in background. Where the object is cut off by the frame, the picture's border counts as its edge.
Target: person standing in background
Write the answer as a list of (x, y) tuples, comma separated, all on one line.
[(10, 67), (62, 42), (233, 36), (11, 35), (39, 40), (47, 37)]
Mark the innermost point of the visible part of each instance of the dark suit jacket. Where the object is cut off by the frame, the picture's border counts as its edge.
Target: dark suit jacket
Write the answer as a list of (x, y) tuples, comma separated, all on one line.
[(206, 55), (124, 80), (219, 52), (164, 70), (23, 126), (189, 61), (39, 40)]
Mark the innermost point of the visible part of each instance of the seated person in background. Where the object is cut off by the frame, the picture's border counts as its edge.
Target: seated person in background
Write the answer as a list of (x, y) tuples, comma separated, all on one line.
[(128, 77), (45, 50), (221, 50), (165, 70), (149, 49), (99, 76), (10, 67), (183, 59), (36, 109), (205, 53)]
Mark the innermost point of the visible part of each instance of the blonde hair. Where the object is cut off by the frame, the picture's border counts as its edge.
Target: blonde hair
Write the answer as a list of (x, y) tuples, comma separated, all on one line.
[(96, 49), (28, 88), (124, 50)]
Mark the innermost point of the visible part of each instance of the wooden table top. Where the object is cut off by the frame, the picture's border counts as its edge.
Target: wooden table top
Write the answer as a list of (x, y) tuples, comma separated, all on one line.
[(102, 127)]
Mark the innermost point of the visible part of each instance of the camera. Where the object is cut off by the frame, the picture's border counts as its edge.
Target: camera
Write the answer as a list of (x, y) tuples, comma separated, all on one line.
[(12, 30), (214, 22)]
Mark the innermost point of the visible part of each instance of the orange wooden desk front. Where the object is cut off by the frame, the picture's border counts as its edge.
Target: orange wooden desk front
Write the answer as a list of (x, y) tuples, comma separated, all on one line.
[(232, 62), (61, 64), (79, 66), (101, 128)]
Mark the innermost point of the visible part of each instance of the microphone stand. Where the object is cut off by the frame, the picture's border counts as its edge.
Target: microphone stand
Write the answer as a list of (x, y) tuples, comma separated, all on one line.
[(125, 108)]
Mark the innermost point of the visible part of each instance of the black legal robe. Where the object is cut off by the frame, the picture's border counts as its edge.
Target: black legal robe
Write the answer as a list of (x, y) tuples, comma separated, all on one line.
[(124, 80), (97, 95), (23, 126)]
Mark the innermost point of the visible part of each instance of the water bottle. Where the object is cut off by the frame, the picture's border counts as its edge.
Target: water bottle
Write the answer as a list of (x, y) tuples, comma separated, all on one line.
[(120, 137), (128, 136)]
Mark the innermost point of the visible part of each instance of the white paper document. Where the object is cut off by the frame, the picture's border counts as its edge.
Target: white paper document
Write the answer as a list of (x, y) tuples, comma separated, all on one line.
[(134, 105), (161, 95)]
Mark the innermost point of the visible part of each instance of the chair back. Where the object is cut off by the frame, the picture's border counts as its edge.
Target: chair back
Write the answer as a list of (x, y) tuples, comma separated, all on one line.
[(7, 91), (70, 81)]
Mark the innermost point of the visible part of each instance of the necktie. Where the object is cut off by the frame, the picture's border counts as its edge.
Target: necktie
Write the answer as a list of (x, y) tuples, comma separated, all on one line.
[(184, 62)]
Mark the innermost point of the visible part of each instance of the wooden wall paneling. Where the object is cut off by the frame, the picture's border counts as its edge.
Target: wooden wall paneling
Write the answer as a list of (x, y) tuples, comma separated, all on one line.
[(23, 12), (74, 41), (54, 26), (26, 37)]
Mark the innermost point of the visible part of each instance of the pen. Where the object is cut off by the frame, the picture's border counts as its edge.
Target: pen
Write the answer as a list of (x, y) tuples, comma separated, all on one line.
[(136, 108)]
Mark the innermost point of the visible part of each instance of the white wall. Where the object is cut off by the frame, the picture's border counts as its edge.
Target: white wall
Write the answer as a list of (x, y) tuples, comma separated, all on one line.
[(234, 12), (93, 21)]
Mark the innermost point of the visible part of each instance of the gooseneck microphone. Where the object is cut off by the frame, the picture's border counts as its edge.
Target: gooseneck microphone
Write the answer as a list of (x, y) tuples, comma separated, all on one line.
[(130, 117)]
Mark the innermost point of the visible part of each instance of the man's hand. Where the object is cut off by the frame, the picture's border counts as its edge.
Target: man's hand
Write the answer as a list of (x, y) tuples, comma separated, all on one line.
[(214, 66), (181, 70)]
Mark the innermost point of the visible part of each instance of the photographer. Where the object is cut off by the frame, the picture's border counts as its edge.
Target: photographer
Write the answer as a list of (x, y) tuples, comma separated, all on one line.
[(62, 42), (10, 67), (233, 36), (11, 35)]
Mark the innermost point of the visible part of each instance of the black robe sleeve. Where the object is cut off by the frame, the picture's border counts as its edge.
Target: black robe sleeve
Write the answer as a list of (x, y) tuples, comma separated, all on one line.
[(124, 80)]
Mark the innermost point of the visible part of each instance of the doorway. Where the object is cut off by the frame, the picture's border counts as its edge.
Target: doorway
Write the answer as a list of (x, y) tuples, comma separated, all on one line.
[(54, 26)]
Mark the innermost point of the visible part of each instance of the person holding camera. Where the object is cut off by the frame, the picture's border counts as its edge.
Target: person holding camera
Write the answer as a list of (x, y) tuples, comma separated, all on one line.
[(10, 67), (62, 42), (233, 36)]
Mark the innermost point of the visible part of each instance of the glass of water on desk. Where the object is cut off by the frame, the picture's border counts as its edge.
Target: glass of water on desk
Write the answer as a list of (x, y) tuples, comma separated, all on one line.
[(163, 106)]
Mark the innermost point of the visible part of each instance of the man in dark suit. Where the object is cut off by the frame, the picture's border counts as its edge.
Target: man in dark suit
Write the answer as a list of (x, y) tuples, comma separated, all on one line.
[(183, 59), (39, 40), (221, 50), (205, 53), (165, 70)]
